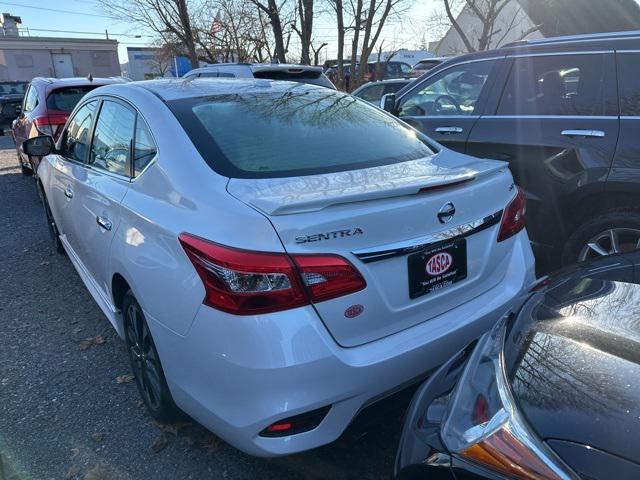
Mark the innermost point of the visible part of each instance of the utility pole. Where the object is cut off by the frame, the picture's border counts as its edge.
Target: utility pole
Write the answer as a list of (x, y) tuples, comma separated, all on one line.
[(106, 32)]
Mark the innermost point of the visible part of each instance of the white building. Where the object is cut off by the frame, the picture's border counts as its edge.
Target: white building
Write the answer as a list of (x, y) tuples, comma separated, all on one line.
[(403, 55), (23, 57)]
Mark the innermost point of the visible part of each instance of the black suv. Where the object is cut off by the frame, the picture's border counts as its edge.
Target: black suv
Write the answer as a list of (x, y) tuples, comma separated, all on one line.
[(565, 113)]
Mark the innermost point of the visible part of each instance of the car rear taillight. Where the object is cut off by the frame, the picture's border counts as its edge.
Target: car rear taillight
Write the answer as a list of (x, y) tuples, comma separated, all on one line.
[(51, 124), (244, 282), (513, 217)]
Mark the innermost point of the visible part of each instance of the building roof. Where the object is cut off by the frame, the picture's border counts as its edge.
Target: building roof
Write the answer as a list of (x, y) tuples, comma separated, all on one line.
[(55, 43), (574, 17)]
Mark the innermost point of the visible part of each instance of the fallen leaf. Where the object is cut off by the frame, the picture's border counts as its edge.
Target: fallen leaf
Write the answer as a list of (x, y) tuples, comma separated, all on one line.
[(97, 436), (172, 428), (73, 472), (75, 452), (91, 342), (210, 442), (139, 403), (125, 378), (99, 472), (160, 444)]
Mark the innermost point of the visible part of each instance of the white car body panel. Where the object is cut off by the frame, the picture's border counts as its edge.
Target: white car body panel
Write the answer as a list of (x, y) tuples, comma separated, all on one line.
[(238, 374)]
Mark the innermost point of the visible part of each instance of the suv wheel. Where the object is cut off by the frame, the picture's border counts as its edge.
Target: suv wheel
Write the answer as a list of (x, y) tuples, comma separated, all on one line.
[(145, 362), (616, 231)]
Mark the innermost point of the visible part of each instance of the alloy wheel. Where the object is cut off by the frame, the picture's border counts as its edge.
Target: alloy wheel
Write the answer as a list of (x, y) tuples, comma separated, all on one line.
[(144, 358), (613, 240)]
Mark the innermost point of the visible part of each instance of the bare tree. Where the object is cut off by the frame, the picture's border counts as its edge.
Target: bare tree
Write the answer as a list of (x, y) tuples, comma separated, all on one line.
[(305, 31), (496, 20), (316, 52), (169, 19), (373, 20), (163, 59), (276, 18), (337, 7)]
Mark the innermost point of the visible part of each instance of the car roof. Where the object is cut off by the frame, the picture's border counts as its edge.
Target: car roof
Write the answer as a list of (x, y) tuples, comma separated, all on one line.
[(174, 89), (258, 67), (78, 81)]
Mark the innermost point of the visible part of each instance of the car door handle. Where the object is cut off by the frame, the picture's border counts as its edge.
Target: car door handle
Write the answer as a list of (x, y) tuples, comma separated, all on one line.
[(583, 133), (68, 192), (449, 130), (103, 222)]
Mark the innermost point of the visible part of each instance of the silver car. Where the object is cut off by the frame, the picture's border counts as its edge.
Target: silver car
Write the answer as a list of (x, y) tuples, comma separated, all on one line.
[(277, 255)]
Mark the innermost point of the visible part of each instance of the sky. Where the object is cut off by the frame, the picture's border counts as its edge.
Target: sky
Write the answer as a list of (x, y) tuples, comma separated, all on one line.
[(87, 19)]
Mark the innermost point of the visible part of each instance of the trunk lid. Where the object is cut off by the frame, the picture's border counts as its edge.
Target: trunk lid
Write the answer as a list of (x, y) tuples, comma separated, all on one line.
[(378, 218)]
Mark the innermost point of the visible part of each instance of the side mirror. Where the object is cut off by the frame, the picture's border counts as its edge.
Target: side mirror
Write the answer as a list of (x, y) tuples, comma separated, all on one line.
[(388, 103), (39, 146)]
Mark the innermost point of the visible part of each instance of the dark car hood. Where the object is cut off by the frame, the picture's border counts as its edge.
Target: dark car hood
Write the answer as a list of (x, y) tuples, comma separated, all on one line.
[(15, 97), (573, 359)]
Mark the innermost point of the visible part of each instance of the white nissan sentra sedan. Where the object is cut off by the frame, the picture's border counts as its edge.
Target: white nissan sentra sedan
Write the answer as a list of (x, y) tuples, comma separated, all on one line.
[(278, 256)]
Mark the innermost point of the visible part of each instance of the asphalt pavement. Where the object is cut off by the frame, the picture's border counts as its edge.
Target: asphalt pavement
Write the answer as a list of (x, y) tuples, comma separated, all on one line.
[(67, 407)]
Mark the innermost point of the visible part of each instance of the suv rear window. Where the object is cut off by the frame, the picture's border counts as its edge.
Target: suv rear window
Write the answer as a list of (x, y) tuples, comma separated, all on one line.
[(12, 88), (304, 76), (295, 132), (66, 99)]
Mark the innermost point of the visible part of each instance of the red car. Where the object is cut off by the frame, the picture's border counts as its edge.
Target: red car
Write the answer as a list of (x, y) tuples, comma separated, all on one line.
[(46, 106)]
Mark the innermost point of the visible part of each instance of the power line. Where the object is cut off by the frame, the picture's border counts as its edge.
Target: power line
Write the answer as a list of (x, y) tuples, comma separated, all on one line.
[(57, 11)]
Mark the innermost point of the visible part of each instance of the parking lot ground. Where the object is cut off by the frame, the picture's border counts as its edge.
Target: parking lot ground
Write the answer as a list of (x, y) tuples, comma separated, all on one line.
[(63, 412)]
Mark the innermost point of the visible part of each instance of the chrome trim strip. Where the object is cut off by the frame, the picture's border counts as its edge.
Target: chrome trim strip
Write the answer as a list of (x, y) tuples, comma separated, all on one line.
[(556, 117), (382, 252), (556, 54)]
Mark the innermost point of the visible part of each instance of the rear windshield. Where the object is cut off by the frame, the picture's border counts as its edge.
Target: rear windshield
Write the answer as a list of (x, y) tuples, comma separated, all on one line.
[(66, 99), (11, 88), (305, 76), (296, 132), (427, 64)]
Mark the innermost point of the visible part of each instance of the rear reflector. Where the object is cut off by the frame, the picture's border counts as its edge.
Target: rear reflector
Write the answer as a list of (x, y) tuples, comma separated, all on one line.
[(297, 424), (244, 282), (513, 217)]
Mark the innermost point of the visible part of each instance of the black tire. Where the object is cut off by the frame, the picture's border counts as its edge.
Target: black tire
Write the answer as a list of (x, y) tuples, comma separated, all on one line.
[(145, 363), (623, 220), (53, 228)]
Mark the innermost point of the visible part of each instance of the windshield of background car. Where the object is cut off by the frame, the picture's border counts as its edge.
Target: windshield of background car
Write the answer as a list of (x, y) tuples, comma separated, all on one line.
[(295, 132), (12, 88), (66, 99), (304, 76)]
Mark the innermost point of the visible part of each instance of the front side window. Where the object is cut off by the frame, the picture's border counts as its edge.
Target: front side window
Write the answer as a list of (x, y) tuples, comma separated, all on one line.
[(405, 69), (372, 93), (454, 91), (294, 132), (555, 85), (112, 140), (76, 137)]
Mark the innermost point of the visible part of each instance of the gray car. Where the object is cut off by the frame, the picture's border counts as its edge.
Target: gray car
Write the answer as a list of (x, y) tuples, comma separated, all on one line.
[(269, 71)]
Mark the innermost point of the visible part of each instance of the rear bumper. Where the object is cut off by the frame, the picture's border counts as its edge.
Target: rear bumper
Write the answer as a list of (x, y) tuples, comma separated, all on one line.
[(237, 375)]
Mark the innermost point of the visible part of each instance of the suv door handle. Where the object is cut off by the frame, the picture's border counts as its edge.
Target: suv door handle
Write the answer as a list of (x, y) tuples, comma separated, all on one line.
[(68, 192), (449, 130), (583, 133), (103, 222)]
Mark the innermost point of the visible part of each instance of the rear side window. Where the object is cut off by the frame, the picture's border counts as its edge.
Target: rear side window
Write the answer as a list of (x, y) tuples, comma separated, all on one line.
[(208, 74), (76, 137), (66, 99), (294, 132), (557, 85), (30, 99), (145, 148), (628, 83), (112, 140)]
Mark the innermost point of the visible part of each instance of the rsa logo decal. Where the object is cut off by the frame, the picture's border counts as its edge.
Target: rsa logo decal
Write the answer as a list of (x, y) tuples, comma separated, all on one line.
[(438, 264), (354, 311)]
